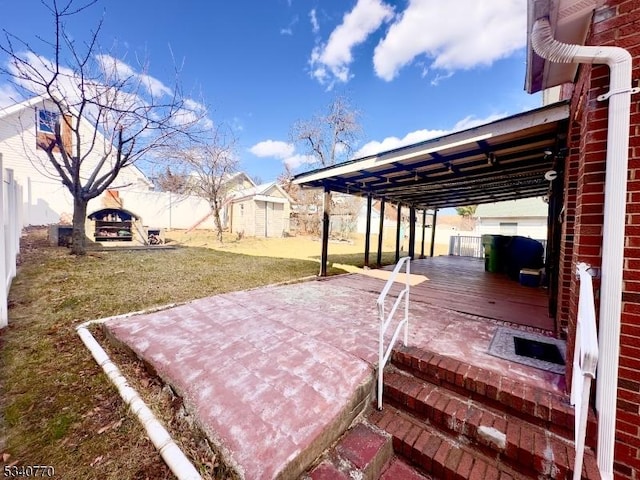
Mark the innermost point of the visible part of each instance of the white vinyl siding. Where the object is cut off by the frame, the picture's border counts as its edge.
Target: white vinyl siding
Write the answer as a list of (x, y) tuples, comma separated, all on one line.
[(44, 196), (260, 216)]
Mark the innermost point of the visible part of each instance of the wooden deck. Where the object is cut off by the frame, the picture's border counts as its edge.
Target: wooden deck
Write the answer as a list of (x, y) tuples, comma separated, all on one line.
[(462, 285)]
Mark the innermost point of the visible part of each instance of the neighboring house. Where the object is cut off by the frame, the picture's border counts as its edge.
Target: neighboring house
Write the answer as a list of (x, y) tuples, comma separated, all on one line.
[(260, 211), (46, 200), (233, 184), (390, 216), (526, 217), (22, 125)]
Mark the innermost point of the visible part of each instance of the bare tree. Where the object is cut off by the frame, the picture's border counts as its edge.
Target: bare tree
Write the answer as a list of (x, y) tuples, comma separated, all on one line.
[(329, 138), (285, 180), (169, 181), (208, 167), (103, 116), (257, 179)]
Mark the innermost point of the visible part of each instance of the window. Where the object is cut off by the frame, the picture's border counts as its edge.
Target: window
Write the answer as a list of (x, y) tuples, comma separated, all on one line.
[(508, 228), (47, 121)]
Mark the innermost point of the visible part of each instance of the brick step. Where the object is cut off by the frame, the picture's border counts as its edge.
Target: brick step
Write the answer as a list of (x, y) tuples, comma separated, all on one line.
[(526, 447), (437, 453), (399, 470), (546, 409), (363, 452)]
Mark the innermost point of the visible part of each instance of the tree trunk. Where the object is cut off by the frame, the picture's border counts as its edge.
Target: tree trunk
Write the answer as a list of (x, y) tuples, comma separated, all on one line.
[(79, 243), (217, 221)]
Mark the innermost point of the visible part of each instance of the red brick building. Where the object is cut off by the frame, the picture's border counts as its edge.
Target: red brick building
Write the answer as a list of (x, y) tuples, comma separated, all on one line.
[(601, 222)]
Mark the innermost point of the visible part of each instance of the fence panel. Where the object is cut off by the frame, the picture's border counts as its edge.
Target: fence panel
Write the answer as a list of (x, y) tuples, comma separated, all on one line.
[(468, 246), (464, 246), (10, 229)]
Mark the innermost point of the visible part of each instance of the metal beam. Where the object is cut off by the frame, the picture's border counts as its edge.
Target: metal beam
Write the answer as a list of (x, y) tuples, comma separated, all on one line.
[(424, 232), (367, 235), (326, 211), (398, 224), (433, 232), (380, 232), (412, 232)]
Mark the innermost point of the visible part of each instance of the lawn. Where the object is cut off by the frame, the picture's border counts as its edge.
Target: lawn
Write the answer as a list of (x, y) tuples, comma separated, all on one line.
[(58, 408)]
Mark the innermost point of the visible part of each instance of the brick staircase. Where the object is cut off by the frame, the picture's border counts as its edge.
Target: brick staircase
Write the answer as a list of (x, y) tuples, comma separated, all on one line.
[(364, 452), (452, 420)]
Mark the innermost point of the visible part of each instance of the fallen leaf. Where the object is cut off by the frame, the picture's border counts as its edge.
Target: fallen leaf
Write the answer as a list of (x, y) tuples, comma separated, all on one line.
[(96, 460), (5, 457)]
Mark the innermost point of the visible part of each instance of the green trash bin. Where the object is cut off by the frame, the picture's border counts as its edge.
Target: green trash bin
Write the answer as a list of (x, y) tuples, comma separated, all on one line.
[(494, 252)]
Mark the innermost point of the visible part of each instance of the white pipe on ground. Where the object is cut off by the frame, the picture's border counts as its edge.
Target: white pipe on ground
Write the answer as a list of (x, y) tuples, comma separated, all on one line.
[(617, 160), (177, 461)]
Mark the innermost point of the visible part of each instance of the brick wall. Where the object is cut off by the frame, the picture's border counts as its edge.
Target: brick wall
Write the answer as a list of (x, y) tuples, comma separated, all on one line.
[(616, 23)]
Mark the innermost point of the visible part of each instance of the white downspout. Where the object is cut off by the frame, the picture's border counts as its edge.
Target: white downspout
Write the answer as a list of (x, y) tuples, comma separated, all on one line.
[(619, 95)]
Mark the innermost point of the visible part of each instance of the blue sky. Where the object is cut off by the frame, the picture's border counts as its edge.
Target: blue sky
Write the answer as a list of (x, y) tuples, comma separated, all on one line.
[(414, 69)]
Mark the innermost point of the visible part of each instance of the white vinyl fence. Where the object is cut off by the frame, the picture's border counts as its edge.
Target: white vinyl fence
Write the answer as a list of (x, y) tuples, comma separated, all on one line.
[(10, 228)]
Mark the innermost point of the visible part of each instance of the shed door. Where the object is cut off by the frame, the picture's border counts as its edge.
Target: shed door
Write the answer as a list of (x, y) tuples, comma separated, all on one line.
[(273, 219)]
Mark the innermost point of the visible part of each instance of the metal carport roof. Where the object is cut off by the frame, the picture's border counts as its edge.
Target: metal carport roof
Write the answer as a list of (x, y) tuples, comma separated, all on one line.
[(502, 160)]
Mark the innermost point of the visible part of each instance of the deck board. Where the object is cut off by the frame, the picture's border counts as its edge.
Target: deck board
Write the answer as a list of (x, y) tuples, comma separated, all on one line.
[(462, 285)]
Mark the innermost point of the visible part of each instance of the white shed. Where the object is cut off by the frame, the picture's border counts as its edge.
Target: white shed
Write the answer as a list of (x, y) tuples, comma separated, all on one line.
[(261, 211)]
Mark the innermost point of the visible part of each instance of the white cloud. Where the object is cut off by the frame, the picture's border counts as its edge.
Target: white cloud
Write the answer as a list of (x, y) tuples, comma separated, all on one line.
[(471, 121), (116, 69), (485, 32), (315, 26), (192, 113), (8, 95), (123, 99), (286, 152), (288, 30), (296, 161), (391, 143), (331, 61), (113, 67), (154, 86), (273, 148), (440, 77)]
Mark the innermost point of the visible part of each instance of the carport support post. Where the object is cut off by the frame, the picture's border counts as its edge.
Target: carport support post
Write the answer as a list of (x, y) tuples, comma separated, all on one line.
[(326, 211), (433, 231), (398, 224), (380, 232), (424, 232), (367, 235), (412, 232)]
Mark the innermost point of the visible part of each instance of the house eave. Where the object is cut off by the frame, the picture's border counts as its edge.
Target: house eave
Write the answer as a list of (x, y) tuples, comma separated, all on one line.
[(570, 21)]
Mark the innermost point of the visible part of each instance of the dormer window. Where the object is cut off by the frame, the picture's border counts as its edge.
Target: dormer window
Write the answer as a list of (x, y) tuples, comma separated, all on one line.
[(47, 121)]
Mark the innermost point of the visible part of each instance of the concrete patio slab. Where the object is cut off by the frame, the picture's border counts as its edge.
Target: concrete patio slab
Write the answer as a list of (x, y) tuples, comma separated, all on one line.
[(274, 375)]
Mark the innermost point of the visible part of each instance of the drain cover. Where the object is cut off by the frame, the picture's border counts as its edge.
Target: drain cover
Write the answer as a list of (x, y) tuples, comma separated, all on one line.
[(547, 352)]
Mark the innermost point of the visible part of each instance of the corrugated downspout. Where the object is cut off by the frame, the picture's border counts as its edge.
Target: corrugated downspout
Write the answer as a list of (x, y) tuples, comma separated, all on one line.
[(619, 95)]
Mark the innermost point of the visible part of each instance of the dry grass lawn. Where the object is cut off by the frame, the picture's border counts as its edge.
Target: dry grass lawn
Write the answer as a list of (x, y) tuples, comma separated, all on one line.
[(343, 255), (57, 407)]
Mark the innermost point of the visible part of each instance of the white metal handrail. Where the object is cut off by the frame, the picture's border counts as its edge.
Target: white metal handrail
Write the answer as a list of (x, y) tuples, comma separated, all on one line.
[(585, 362), (385, 321)]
